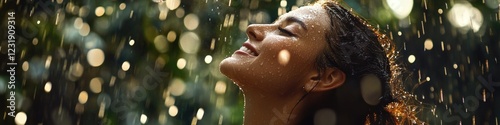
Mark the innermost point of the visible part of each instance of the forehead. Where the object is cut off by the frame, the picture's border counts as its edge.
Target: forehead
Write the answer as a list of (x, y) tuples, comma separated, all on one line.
[(312, 13), (314, 16)]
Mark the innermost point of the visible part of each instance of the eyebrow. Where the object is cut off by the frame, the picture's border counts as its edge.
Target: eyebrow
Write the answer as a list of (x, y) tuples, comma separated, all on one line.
[(296, 20)]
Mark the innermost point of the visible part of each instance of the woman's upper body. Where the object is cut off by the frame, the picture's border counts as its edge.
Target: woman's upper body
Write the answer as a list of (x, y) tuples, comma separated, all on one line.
[(316, 64)]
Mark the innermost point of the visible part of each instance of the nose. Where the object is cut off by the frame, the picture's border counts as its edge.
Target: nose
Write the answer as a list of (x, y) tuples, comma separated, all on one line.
[(256, 32)]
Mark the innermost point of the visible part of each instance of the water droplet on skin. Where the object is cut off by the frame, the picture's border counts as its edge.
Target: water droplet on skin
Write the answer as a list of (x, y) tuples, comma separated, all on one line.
[(262, 63)]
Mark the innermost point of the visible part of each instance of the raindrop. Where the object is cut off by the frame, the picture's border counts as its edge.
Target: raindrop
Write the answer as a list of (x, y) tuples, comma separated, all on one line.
[(284, 57), (21, 118), (131, 42), (181, 63), (125, 66), (411, 58), (99, 11), (191, 21), (83, 97), (143, 119), (161, 44), (96, 85), (95, 57), (189, 42), (220, 87), (172, 111), (47, 87), (428, 44), (200, 113), (26, 66), (177, 87), (208, 59), (122, 6)]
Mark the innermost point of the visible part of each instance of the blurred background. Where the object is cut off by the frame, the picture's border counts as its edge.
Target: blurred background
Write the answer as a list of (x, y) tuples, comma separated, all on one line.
[(132, 62)]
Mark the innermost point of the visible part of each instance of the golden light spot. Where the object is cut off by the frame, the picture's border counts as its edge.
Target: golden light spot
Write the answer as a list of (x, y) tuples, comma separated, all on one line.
[(173, 4), (84, 11), (428, 44), (177, 87), (95, 57), (85, 30), (191, 21), (161, 44), (76, 70), (428, 78), (181, 63), (440, 11), (220, 87), (189, 42), (200, 113), (169, 101), (144, 118), (48, 61), (26, 66), (400, 8), (284, 57), (163, 15), (102, 106), (208, 59), (83, 97), (411, 58), (122, 6), (47, 87), (131, 42), (78, 23), (109, 10), (35, 41), (125, 66), (99, 11), (172, 111), (283, 3), (455, 66), (21, 118), (179, 13), (171, 36), (96, 85)]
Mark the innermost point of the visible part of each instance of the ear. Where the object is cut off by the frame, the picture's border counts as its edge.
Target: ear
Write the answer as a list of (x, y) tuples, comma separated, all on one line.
[(328, 79)]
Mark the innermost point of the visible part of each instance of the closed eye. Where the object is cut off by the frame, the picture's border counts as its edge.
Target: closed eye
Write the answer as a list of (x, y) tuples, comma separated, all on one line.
[(288, 33)]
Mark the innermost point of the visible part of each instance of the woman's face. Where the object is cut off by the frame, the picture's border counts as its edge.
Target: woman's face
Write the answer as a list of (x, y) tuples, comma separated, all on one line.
[(279, 57)]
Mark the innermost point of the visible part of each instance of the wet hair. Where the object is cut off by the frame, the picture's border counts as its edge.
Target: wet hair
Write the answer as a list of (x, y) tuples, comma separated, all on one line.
[(357, 49)]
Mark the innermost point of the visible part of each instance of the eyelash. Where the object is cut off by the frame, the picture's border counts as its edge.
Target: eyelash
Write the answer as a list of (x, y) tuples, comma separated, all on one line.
[(285, 31)]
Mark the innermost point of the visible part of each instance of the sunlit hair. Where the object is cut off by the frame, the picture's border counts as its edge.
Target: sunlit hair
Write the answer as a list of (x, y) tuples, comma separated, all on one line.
[(358, 49)]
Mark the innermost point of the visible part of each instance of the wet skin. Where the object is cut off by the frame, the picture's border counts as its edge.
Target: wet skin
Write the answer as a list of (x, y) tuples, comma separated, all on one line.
[(276, 67)]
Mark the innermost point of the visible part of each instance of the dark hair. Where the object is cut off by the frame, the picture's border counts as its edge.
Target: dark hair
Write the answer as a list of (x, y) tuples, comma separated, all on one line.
[(357, 49)]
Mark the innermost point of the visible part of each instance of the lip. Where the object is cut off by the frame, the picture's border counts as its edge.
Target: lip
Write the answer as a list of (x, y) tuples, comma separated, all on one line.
[(250, 47)]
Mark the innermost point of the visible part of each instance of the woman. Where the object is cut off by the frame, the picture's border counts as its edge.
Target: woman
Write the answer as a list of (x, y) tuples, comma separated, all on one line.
[(318, 64)]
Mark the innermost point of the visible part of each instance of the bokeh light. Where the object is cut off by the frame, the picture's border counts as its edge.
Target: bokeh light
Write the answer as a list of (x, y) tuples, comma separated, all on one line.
[(400, 8), (463, 15), (95, 57), (157, 61), (83, 97), (21, 118), (47, 87), (189, 42)]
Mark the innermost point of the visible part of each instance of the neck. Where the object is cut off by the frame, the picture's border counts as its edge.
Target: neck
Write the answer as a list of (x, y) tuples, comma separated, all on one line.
[(277, 110)]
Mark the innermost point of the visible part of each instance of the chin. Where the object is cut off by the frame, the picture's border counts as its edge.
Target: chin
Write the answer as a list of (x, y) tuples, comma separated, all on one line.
[(234, 70)]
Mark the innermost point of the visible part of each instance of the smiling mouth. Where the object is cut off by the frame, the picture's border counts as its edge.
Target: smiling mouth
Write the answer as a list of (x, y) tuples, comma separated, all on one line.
[(249, 49)]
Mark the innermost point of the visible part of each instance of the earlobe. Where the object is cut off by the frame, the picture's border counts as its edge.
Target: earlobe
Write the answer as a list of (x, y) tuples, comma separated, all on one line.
[(328, 79)]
